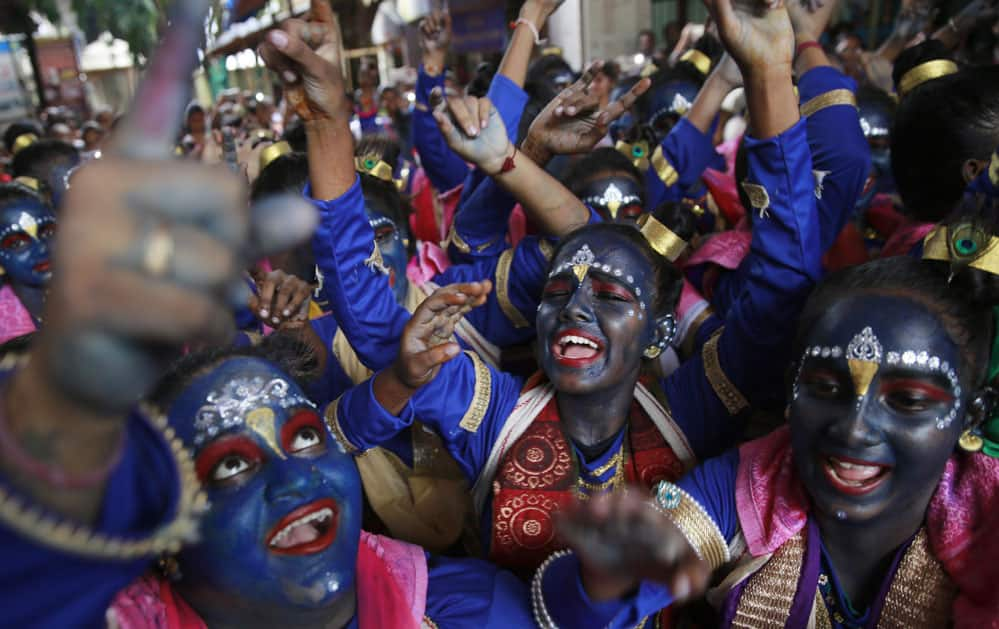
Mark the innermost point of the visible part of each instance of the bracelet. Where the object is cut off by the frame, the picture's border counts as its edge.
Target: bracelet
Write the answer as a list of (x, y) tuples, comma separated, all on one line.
[(57, 477), (805, 45), (534, 30), (541, 615)]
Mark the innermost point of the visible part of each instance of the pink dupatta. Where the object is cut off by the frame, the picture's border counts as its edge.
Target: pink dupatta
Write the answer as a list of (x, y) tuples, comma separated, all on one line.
[(15, 320)]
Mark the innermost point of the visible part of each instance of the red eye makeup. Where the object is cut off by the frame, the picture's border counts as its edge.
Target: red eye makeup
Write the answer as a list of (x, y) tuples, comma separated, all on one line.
[(223, 448)]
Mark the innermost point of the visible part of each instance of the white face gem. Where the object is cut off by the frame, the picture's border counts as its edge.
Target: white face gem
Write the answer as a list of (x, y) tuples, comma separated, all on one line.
[(909, 357), (922, 358), (631, 313), (815, 351), (892, 358), (228, 406), (826, 352), (836, 352), (638, 291), (617, 273), (864, 346), (630, 279), (934, 363)]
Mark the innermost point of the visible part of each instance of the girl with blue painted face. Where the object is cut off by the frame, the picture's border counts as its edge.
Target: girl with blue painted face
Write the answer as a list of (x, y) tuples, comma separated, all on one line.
[(27, 226), (281, 542), (874, 494)]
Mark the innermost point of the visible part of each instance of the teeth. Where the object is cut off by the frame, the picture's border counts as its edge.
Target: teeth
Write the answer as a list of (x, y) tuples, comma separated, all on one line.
[(318, 516), (578, 340)]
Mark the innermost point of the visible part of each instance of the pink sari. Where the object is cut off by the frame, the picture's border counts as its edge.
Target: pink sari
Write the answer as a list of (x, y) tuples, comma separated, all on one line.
[(15, 320)]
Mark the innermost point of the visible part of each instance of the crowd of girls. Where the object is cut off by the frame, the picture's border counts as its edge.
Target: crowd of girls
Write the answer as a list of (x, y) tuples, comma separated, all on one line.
[(713, 346)]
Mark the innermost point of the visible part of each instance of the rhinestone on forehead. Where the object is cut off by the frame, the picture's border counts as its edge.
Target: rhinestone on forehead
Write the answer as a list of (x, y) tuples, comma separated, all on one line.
[(612, 194), (227, 406), (864, 346)]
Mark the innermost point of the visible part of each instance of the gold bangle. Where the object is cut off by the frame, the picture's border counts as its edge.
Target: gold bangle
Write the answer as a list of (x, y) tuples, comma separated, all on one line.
[(661, 238), (925, 72)]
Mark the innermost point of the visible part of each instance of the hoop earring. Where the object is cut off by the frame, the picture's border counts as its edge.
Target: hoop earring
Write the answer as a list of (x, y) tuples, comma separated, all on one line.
[(970, 441), (652, 351)]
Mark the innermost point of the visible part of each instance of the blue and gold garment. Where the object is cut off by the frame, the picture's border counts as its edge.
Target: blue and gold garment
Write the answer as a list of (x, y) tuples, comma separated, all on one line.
[(469, 403)]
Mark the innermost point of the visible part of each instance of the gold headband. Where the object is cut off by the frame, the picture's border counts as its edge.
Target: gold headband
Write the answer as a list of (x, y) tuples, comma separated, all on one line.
[(374, 166), (29, 182), (273, 152), (663, 239), (698, 59), (936, 247), (925, 72), (22, 142)]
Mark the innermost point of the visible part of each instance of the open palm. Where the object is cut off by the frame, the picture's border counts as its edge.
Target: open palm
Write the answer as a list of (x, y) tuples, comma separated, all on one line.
[(756, 36)]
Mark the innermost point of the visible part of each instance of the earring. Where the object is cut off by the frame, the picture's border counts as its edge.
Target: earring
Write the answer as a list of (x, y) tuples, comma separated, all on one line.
[(169, 568), (970, 441), (652, 351)]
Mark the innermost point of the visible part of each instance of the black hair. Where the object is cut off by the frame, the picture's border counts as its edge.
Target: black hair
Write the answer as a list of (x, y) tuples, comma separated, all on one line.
[(16, 129), (14, 191), (878, 98), (924, 282), (597, 162), (666, 277), (678, 217), (937, 128), (482, 78), (709, 45), (192, 108), (287, 174), (539, 89), (929, 50), (38, 159), (294, 134), (286, 352)]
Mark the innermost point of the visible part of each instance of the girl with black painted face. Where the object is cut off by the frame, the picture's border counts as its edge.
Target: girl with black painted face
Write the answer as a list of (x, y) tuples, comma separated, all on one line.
[(587, 424), (866, 510)]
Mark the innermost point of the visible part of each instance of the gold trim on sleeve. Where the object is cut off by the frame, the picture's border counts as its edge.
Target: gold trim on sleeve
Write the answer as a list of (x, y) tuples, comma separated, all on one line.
[(727, 392), (503, 290), (925, 72), (767, 598), (841, 96), (694, 522), (663, 168), (547, 249), (454, 238), (698, 59), (480, 398), (687, 344), (333, 423), (76, 539)]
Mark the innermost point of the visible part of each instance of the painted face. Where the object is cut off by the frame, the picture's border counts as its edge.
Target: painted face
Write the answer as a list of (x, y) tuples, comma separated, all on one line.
[(875, 122), (595, 317), (393, 244), (877, 409), (284, 522), (26, 230), (667, 104), (616, 197)]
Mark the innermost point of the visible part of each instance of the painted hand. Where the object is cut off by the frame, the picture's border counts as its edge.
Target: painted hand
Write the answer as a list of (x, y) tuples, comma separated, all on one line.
[(622, 539), (573, 121), (426, 342), (151, 248), (473, 129), (282, 300), (306, 54), (757, 34)]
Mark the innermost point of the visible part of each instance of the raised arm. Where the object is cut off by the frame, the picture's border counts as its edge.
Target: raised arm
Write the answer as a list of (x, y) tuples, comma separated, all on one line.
[(531, 21)]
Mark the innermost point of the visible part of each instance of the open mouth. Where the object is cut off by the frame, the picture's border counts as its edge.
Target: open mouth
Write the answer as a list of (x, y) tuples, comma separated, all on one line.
[(306, 530), (852, 476), (575, 348), (43, 267)]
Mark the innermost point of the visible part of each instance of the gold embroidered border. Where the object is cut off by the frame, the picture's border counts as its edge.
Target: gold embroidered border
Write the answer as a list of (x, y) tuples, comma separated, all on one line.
[(333, 423), (503, 290), (663, 168), (726, 391), (841, 96), (921, 593), (454, 238), (700, 530), (547, 249), (76, 539), (822, 620), (480, 398), (429, 624), (767, 598), (687, 345)]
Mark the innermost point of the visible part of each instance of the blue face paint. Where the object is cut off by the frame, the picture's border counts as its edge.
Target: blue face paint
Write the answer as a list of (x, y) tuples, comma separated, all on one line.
[(666, 104), (26, 230), (595, 318), (877, 408), (285, 515), (393, 244)]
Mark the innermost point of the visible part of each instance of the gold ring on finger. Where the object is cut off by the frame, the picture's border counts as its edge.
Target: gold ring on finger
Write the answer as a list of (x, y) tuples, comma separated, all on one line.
[(159, 252)]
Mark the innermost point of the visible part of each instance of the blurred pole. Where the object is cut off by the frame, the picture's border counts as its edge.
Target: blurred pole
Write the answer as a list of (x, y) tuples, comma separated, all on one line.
[(873, 23)]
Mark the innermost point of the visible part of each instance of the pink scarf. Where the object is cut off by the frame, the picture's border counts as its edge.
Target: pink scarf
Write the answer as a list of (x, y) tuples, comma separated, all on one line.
[(15, 320), (961, 520), (391, 592), (727, 249), (430, 260)]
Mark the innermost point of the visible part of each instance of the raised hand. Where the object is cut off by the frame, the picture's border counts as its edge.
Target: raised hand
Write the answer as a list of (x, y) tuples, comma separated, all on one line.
[(282, 300), (810, 22), (914, 18), (435, 33), (757, 34), (573, 121), (622, 539), (150, 249), (473, 129), (426, 341), (306, 54)]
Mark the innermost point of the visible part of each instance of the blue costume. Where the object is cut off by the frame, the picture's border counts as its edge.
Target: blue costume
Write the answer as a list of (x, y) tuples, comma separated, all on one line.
[(469, 403)]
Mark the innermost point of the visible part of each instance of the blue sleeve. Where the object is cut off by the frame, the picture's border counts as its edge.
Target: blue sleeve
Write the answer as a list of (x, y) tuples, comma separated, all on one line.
[(466, 404), (444, 168), (334, 380), (841, 157), (475, 593), (712, 485), (45, 587), (710, 393), (687, 152), (359, 296)]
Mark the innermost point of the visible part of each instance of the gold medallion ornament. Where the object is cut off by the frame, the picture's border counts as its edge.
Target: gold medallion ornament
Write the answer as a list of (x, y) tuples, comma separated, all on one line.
[(938, 246), (637, 152), (698, 59), (375, 166), (970, 442), (925, 72), (662, 239)]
